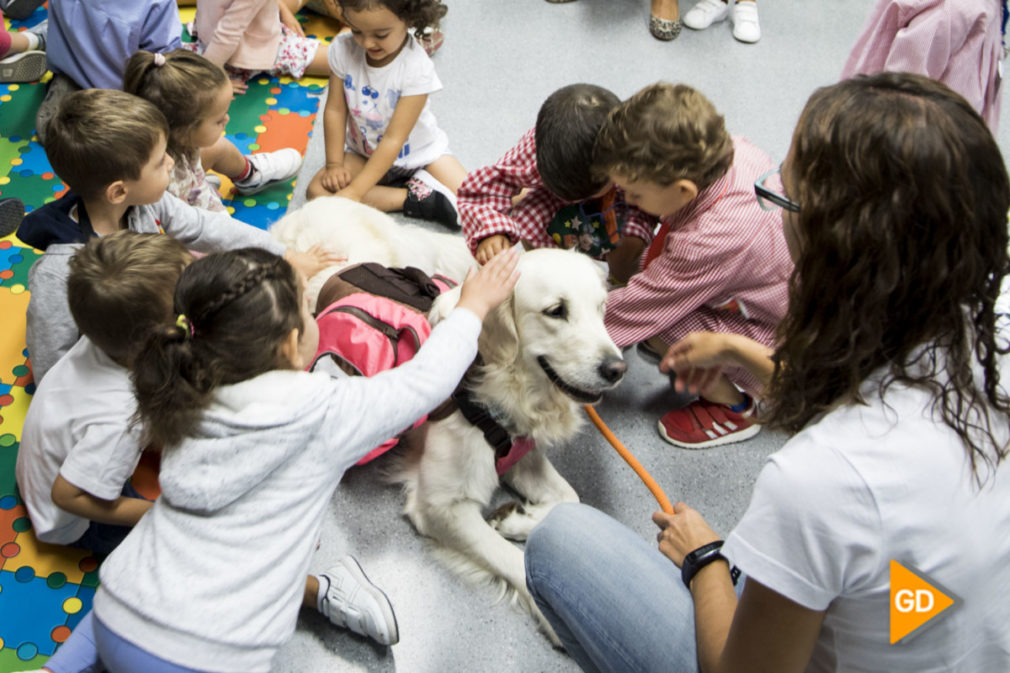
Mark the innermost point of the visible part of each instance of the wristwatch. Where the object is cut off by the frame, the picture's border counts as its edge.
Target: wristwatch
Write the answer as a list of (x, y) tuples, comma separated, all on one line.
[(700, 558)]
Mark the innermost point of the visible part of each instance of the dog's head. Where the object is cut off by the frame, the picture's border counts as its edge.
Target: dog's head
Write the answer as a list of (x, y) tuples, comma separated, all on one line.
[(552, 325)]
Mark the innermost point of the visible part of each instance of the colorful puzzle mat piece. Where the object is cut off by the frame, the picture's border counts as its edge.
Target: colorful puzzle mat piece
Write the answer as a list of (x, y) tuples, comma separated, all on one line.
[(45, 590)]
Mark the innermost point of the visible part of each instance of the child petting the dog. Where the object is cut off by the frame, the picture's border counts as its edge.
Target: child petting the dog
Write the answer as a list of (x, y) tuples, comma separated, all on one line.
[(110, 149), (194, 95), (253, 448), (79, 445), (719, 263), (545, 193), (379, 130)]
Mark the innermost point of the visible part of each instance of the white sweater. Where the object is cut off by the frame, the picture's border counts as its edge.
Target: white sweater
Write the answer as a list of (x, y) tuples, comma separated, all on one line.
[(212, 577)]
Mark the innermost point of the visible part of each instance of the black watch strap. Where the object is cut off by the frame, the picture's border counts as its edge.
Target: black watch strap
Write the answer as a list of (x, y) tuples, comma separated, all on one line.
[(698, 559)]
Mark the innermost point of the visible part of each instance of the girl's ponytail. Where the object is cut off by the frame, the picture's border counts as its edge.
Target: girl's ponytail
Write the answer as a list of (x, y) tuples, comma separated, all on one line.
[(235, 309), (172, 387)]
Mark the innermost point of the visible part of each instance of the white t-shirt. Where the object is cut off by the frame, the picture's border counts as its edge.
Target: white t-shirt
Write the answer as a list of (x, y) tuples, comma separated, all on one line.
[(372, 94), (868, 484), (78, 426)]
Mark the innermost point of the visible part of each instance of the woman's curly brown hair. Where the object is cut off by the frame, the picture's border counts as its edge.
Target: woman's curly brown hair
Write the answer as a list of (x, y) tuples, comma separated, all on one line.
[(417, 14), (902, 238)]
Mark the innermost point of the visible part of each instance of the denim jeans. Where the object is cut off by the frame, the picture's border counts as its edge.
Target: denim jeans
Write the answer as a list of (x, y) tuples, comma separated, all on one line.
[(614, 600)]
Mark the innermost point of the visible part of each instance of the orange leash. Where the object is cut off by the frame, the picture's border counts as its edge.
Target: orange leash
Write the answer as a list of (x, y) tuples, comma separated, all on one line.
[(657, 492)]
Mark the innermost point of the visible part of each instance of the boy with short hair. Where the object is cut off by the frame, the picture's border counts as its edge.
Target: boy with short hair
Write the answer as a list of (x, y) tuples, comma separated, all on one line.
[(562, 202), (109, 147), (79, 445), (719, 262)]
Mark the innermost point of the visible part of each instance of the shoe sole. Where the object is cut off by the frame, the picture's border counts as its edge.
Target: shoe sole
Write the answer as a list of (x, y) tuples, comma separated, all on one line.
[(730, 438), (31, 66), (379, 596), (12, 211)]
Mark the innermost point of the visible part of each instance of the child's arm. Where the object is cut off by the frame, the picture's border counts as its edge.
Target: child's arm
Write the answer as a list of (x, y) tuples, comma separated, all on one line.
[(405, 115), (206, 231), (335, 177), (122, 511), (699, 358), (50, 330), (484, 200)]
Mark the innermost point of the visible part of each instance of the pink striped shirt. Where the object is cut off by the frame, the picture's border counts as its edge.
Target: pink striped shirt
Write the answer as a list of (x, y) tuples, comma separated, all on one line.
[(957, 42), (723, 267), (485, 202)]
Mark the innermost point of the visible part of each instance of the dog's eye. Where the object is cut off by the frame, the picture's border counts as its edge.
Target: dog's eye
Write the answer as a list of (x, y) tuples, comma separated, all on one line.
[(560, 311)]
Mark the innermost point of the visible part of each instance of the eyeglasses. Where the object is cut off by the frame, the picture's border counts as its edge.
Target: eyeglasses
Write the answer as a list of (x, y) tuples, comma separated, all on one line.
[(769, 200)]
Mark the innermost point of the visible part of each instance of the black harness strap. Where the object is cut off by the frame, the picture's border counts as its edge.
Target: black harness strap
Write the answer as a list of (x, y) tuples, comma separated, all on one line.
[(478, 416)]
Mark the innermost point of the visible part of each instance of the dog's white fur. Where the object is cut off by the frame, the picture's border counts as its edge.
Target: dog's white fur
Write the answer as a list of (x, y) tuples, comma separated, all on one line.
[(364, 234), (448, 472)]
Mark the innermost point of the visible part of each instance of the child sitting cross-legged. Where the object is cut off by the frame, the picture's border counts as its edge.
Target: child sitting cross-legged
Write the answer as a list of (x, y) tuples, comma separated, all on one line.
[(79, 445), (379, 129), (212, 577), (719, 262), (545, 193), (110, 149)]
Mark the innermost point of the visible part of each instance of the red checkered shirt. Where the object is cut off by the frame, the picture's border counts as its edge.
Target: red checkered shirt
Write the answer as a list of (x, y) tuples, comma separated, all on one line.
[(485, 207), (723, 256)]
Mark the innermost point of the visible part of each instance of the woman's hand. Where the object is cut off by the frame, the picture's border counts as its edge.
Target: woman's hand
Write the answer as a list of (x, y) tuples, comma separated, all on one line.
[(682, 532)]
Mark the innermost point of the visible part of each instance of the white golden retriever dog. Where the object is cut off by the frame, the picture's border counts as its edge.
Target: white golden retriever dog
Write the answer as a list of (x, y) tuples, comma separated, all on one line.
[(543, 353)]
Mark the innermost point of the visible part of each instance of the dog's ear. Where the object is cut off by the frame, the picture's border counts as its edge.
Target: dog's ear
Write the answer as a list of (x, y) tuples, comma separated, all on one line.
[(499, 340), (443, 305)]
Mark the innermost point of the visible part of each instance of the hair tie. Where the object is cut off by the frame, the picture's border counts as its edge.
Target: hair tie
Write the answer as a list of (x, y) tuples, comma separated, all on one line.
[(159, 60), (183, 322)]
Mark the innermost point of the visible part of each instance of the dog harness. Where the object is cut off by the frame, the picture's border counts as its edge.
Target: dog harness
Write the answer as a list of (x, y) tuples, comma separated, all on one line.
[(507, 451)]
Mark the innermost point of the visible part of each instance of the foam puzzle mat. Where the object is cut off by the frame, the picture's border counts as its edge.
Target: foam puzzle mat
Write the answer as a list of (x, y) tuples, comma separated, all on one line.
[(45, 590)]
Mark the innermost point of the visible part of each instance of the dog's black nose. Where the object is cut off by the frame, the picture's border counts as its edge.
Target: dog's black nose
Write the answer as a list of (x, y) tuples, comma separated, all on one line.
[(612, 369)]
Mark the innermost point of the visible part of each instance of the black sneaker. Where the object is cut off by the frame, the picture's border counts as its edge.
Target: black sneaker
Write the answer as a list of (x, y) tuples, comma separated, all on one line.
[(429, 204), (21, 9)]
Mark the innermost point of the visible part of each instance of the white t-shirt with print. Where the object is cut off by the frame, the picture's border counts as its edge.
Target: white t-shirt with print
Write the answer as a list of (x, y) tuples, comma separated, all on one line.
[(77, 426), (868, 484), (372, 94)]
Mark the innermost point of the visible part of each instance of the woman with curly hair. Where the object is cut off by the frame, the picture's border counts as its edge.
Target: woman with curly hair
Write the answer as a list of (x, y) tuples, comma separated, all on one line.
[(381, 132), (888, 370)]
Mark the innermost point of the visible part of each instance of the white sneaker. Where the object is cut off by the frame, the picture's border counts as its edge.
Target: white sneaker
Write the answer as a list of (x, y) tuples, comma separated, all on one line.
[(705, 13), (350, 600), (745, 22), (269, 168)]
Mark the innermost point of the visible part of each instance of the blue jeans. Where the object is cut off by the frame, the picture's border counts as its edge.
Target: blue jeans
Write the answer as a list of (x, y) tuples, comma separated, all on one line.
[(615, 601)]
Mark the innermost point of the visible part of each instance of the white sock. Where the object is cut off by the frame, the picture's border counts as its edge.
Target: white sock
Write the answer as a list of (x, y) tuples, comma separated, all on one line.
[(324, 586), (33, 40)]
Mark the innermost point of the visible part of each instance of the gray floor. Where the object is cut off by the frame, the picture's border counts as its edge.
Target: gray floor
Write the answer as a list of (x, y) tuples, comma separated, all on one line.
[(500, 60)]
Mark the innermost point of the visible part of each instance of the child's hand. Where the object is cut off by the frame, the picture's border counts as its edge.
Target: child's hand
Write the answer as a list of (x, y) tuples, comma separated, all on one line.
[(491, 246), (485, 289), (288, 19), (313, 260), (238, 87), (335, 178)]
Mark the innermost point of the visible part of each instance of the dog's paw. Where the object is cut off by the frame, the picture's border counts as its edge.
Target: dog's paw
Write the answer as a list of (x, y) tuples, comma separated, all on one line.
[(512, 521)]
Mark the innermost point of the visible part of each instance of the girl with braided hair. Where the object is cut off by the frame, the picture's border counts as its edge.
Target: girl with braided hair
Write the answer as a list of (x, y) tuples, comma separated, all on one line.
[(212, 577)]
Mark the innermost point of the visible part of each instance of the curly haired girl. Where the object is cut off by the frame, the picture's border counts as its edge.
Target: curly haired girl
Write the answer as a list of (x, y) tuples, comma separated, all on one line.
[(381, 132)]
